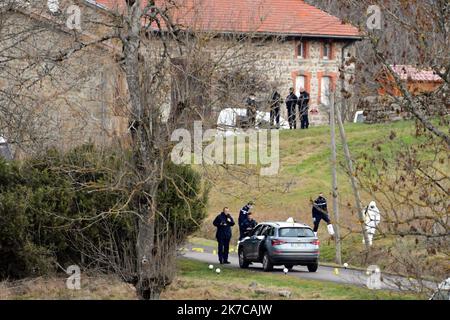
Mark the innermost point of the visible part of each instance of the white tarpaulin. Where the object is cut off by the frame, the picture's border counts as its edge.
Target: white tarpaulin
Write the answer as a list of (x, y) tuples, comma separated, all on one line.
[(228, 118)]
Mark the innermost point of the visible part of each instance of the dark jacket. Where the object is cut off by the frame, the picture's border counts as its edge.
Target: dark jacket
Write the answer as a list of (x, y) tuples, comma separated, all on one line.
[(223, 223), (291, 101), (251, 104), (319, 206), (248, 226), (275, 101), (303, 101), (243, 215)]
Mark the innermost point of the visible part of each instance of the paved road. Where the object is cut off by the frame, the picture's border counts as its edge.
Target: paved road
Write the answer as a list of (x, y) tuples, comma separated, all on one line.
[(324, 273)]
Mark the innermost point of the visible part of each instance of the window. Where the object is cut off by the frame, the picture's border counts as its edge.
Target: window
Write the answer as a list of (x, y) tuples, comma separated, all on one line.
[(325, 90), (296, 233), (327, 51), (301, 50), (268, 231), (299, 82), (263, 231), (257, 230)]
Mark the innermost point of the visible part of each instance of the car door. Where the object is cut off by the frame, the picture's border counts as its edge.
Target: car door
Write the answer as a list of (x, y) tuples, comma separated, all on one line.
[(248, 244), (268, 236), (265, 235), (257, 241)]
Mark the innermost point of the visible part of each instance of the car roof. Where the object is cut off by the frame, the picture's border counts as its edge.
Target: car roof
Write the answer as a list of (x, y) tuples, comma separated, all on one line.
[(284, 224)]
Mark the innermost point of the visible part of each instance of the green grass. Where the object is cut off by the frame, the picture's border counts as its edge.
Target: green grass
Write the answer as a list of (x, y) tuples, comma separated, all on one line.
[(238, 281), (202, 242), (305, 171)]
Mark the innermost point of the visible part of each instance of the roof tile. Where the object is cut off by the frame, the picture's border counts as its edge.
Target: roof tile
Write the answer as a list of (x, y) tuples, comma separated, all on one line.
[(284, 17), (409, 72)]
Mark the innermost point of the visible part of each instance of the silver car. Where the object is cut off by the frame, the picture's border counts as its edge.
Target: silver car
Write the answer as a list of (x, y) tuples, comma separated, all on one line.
[(280, 243)]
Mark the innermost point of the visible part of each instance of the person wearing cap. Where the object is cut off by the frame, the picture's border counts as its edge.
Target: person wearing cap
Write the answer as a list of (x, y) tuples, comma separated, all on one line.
[(320, 212), (249, 225), (243, 216)]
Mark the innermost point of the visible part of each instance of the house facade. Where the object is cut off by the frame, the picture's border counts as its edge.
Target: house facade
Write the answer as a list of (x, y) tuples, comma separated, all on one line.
[(54, 92), (304, 47), (84, 99)]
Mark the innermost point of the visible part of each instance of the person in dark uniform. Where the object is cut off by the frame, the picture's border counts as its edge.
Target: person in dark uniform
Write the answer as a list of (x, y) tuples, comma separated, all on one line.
[(320, 212), (291, 102), (249, 224), (303, 108), (251, 110), (223, 222), (243, 216), (275, 109)]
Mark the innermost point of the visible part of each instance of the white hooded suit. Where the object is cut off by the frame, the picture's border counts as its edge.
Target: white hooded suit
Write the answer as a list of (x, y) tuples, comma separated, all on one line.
[(372, 218)]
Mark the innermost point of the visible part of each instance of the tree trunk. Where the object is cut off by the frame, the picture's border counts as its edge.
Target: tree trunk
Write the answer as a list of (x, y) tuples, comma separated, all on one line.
[(337, 236), (351, 173), (146, 163)]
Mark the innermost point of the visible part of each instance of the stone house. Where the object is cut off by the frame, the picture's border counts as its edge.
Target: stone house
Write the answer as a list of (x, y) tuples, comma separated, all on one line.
[(85, 99), (304, 46), (417, 81), (50, 100), (387, 106)]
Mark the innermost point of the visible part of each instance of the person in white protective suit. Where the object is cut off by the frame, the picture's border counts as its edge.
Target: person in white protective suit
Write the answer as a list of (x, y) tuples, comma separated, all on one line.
[(372, 218)]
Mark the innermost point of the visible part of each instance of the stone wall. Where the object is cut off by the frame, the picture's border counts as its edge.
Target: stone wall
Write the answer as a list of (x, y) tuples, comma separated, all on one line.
[(85, 98), (385, 108), (278, 61), (45, 101)]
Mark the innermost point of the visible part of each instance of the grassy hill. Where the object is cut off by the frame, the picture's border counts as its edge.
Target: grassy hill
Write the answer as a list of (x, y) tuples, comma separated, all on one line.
[(305, 171)]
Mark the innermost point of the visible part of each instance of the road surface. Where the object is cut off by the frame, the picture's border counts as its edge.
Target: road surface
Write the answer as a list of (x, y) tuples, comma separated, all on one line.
[(324, 273)]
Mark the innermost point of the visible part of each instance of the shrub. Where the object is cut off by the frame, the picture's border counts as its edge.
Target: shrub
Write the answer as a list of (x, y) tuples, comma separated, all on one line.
[(74, 208)]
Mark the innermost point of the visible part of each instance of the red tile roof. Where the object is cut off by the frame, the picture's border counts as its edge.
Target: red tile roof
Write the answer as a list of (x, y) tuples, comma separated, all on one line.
[(411, 73), (283, 17)]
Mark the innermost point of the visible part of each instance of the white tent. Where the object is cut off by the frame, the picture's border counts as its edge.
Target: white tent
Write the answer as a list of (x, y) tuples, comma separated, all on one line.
[(228, 119)]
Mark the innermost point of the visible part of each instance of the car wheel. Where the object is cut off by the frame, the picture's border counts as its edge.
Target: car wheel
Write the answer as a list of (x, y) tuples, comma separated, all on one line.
[(313, 267), (243, 263), (267, 265), (289, 266)]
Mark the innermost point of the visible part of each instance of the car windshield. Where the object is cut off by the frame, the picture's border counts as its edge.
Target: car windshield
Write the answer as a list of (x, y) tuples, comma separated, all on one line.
[(296, 232)]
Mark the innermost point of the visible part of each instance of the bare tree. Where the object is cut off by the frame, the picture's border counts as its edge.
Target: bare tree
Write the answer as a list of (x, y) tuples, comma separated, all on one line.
[(170, 78), (411, 185)]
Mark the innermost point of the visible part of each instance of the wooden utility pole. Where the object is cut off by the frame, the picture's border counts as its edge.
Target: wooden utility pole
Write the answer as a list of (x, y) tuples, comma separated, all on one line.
[(337, 236), (351, 173)]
